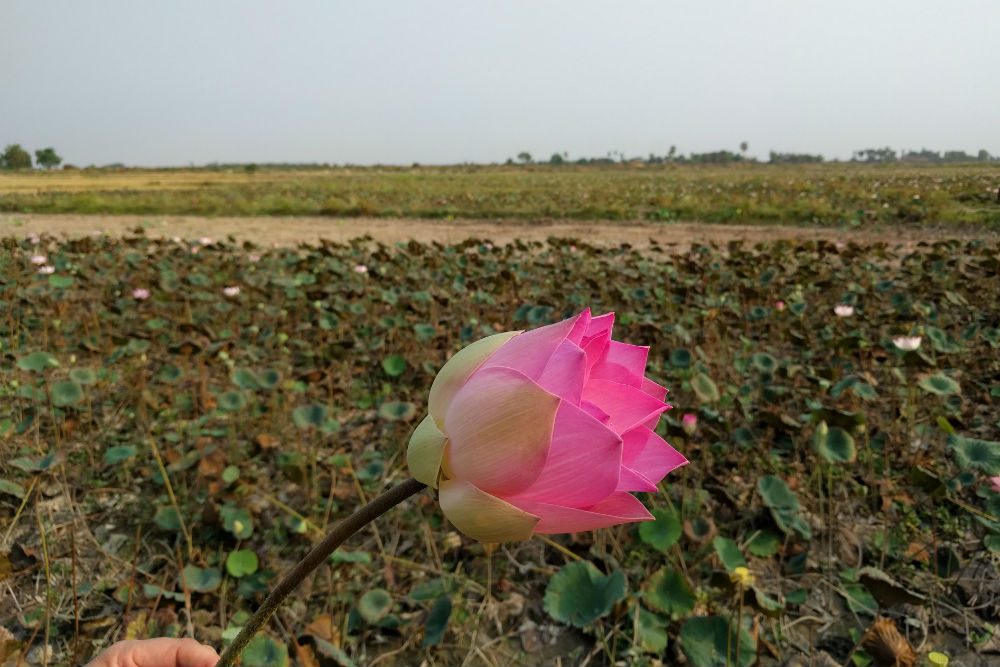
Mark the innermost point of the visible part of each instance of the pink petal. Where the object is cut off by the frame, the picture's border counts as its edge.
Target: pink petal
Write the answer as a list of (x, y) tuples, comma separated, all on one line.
[(482, 516), (595, 347), (622, 363), (649, 454), (583, 463), (613, 510), (596, 412), (580, 328), (630, 480), (653, 389), (499, 427), (565, 373), (626, 405), (632, 357), (602, 324), (530, 352)]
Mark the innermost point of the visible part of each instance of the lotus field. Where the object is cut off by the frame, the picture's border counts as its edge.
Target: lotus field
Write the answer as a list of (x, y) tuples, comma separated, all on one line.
[(184, 419)]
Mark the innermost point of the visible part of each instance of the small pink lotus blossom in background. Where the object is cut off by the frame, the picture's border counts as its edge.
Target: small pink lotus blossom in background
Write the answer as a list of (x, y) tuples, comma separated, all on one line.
[(140, 293), (205, 240), (232, 290), (39, 259), (488, 245), (46, 270), (572, 248), (907, 343), (779, 305), (361, 268), (995, 484), (843, 310), (253, 258), (194, 250), (34, 239), (545, 431), (689, 423)]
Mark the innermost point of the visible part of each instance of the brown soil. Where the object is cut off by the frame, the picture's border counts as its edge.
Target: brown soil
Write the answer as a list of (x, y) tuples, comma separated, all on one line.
[(291, 231)]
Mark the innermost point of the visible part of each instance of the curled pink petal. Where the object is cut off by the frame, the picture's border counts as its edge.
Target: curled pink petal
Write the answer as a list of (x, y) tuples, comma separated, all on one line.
[(582, 449), (653, 389), (649, 454), (630, 480), (499, 428), (530, 352), (613, 510), (622, 363), (627, 406), (601, 325)]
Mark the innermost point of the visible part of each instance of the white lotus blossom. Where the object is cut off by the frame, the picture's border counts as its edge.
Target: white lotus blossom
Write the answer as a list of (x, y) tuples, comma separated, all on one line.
[(843, 310), (232, 290), (907, 343)]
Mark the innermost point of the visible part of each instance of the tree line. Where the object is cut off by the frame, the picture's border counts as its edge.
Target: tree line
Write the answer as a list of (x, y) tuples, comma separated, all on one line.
[(14, 156), (865, 155)]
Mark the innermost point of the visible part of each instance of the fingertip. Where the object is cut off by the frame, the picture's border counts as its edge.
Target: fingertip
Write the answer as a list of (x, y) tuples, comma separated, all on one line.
[(195, 654)]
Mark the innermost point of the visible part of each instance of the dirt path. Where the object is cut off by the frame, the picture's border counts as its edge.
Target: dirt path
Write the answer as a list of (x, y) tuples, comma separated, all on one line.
[(290, 231)]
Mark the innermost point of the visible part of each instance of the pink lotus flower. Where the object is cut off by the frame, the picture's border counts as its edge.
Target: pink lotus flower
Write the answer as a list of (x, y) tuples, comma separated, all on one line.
[(205, 240), (361, 268), (46, 270), (995, 484), (232, 290), (543, 432), (39, 259), (689, 423), (779, 306), (140, 294)]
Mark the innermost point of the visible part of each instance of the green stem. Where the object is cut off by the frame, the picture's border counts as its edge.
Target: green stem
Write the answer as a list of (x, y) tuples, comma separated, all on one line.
[(312, 560)]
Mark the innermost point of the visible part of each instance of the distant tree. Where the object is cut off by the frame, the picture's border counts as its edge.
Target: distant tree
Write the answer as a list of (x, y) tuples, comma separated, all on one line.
[(15, 157), (743, 147), (984, 155), (794, 158), (556, 159), (957, 156), (524, 156), (251, 168), (47, 158), (880, 155), (672, 153)]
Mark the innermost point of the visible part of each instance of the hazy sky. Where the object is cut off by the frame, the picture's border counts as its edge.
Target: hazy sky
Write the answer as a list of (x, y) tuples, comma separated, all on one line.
[(442, 81)]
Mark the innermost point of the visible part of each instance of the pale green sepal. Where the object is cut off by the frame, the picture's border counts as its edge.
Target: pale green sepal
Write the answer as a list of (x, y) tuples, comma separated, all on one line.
[(457, 370), (425, 451)]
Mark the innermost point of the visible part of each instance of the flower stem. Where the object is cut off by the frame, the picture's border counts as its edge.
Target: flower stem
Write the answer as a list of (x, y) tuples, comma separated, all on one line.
[(312, 560)]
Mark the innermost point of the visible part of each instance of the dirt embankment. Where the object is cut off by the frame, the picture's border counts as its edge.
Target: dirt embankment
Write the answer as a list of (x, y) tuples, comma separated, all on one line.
[(290, 231)]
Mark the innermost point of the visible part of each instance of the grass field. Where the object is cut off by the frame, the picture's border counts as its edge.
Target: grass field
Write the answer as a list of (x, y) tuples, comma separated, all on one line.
[(163, 458), (829, 194)]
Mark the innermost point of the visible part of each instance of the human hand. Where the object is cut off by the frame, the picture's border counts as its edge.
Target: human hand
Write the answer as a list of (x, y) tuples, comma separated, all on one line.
[(162, 652)]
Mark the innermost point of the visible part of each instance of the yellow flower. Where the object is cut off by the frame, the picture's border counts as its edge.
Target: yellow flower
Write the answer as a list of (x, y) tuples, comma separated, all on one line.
[(742, 576), (937, 659)]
